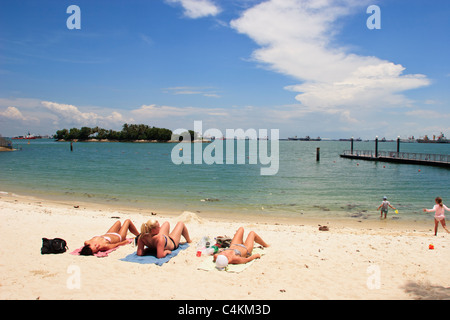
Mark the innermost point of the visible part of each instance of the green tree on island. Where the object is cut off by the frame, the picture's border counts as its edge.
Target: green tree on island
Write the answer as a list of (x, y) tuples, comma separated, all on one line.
[(130, 132)]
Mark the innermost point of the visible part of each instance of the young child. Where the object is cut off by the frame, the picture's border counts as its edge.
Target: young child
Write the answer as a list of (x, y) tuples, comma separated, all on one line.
[(439, 209), (384, 207)]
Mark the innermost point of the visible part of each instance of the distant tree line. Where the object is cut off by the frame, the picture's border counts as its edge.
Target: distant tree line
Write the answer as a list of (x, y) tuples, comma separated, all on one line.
[(130, 132)]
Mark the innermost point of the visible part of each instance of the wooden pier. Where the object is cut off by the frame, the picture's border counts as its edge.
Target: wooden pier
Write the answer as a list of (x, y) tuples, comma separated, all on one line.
[(5, 144), (440, 160), (428, 159)]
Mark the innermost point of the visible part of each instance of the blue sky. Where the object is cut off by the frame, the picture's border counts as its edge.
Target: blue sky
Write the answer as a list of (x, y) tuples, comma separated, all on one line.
[(304, 67)]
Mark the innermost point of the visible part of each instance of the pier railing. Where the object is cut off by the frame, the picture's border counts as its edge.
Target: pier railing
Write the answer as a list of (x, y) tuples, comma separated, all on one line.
[(407, 156), (6, 143)]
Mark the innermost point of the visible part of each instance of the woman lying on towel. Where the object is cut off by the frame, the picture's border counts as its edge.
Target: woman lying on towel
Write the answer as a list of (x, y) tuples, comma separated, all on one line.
[(157, 238), (239, 251), (114, 237)]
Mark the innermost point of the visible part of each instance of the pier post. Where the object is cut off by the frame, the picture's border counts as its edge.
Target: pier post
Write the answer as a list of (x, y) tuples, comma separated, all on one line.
[(318, 154), (398, 144), (376, 147), (351, 146)]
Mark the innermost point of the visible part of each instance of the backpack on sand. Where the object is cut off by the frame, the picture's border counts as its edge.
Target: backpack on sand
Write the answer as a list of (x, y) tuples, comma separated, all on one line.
[(56, 245)]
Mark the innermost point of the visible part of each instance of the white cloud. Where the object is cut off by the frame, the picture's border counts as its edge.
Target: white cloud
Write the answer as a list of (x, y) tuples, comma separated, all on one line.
[(117, 118), (298, 38), (185, 114), (71, 114), (18, 116), (204, 91), (211, 95), (153, 111), (427, 114), (67, 114), (146, 39), (431, 101), (197, 8), (368, 87), (12, 113)]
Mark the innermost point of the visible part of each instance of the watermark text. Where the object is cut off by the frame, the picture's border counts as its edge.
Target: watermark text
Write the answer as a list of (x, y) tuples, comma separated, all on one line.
[(258, 143)]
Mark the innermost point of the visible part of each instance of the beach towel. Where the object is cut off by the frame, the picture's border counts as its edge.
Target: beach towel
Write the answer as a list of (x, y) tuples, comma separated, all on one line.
[(100, 254), (209, 264), (149, 259)]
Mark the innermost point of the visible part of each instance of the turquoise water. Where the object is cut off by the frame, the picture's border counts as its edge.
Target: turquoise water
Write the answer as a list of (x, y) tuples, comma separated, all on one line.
[(143, 175)]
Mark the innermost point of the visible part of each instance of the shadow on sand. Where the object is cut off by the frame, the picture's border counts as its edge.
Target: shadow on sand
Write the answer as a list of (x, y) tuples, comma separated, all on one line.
[(426, 291)]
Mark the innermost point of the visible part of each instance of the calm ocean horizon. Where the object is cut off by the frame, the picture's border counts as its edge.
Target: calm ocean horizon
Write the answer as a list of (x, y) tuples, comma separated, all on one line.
[(142, 175)]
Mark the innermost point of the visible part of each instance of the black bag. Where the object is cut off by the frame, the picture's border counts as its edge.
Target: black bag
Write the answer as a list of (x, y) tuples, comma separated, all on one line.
[(56, 245), (223, 241)]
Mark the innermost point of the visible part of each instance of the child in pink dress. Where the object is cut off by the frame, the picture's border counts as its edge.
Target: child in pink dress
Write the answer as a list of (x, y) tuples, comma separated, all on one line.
[(439, 209)]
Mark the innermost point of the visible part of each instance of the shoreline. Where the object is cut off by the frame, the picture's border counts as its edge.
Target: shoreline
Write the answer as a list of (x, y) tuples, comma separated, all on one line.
[(301, 262), (391, 222), (133, 141)]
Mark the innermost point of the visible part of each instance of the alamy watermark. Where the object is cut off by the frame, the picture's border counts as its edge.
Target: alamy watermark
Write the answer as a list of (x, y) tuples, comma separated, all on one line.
[(74, 278), (374, 278), (374, 21), (213, 153), (74, 20)]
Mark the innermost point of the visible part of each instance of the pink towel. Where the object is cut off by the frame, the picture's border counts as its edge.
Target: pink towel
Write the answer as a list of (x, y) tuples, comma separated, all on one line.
[(100, 254)]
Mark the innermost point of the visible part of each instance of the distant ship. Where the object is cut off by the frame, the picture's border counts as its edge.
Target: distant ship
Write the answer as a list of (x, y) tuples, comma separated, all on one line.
[(440, 139), (27, 137), (409, 140), (307, 138)]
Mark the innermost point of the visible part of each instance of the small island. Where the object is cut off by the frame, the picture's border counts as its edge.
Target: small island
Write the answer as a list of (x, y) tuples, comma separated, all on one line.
[(129, 133)]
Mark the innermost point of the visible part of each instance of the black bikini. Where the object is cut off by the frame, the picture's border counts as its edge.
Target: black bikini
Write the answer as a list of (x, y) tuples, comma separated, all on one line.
[(175, 247)]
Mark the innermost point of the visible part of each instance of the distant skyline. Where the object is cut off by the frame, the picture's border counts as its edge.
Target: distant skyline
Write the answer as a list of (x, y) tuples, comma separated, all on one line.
[(301, 66)]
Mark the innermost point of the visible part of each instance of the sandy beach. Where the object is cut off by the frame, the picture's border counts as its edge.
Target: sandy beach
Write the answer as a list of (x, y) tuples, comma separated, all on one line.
[(353, 260)]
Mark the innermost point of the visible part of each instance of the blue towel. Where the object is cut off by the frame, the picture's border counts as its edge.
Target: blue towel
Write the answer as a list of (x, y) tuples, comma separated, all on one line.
[(147, 259)]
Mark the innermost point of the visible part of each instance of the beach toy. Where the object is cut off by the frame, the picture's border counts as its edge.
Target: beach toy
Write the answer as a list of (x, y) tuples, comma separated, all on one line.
[(431, 246), (396, 211)]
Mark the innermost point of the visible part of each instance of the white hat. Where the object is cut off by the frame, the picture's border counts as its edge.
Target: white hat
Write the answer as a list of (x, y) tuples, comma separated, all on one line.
[(221, 262)]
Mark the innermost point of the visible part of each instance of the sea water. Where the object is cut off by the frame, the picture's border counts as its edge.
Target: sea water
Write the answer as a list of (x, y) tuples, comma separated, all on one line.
[(143, 175)]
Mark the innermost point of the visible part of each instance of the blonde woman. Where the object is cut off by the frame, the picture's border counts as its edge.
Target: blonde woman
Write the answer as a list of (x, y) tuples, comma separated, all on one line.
[(158, 239)]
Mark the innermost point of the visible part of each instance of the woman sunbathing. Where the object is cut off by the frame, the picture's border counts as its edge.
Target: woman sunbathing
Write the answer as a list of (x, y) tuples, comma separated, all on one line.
[(157, 238), (239, 252), (114, 237)]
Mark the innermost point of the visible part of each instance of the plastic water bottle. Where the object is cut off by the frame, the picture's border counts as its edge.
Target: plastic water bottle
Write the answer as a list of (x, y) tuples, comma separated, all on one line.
[(202, 245)]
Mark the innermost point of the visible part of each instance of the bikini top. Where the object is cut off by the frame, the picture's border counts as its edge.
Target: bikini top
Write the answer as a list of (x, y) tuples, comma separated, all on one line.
[(236, 251)]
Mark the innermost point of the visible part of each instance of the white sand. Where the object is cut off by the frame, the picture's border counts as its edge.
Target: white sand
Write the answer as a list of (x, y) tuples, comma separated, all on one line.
[(353, 260)]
